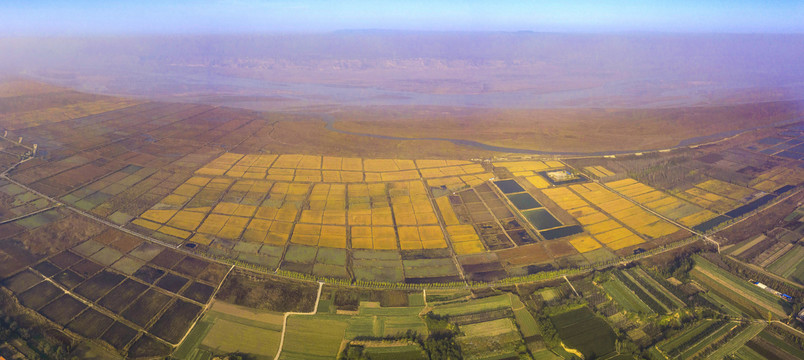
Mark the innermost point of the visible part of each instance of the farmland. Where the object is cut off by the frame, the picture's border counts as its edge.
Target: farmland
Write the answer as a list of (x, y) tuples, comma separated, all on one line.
[(151, 229)]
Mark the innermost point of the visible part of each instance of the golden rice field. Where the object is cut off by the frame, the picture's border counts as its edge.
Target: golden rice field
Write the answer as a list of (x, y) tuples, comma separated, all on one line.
[(602, 226), (529, 167), (465, 240), (304, 199), (598, 171), (686, 213), (725, 189), (585, 244), (455, 183), (538, 181), (329, 169), (777, 177)]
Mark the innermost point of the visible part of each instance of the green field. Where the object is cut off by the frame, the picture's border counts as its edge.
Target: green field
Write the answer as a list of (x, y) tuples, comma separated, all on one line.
[(229, 328), (738, 341), (314, 337), (790, 265), (624, 297), (742, 293), (490, 339), (580, 329), (675, 343), (712, 336), (527, 324)]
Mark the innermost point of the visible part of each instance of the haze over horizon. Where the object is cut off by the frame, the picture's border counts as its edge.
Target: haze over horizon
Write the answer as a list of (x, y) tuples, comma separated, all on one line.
[(95, 17)]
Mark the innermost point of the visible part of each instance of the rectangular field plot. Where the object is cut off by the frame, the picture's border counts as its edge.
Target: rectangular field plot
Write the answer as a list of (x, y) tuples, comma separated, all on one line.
[(580, 329), (313, 337), (743, 294)]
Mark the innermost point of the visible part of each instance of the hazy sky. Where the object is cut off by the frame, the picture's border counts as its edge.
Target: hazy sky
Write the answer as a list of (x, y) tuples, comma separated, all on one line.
[(82, 17)]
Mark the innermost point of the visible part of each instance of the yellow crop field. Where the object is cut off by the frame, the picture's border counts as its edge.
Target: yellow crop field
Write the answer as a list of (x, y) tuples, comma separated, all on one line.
[(245, 210), (312, 216), (453, 183), (592, 170), (287, 214), (288, 161), (351, 176), (658, 229), (359, 216), (379, 165), (592, 218), (257, 230), (150, 225), (383, 238), (279, 233), (334, 217), (697, 218), (408, 234), (333, 236), (264, 160), (382, 217), (160, 216), (565, 198), (423, 164), (186, 220), (331, 163), (583, 211), (649, 197), (352, 164), (181, 234), (201, 239), (538, 181), (621, 183), (529, 165), (225, 208), (330, 176), (265, 212), (602, 227), (585, 244), (426, 218), (473, 169), (212, 224), (372, 177), (197, 181), (613, 235), (625, 242), (635, 189), (468, 247), (464, 239), (310, 162), (446, 211), (725, 189), (399, 175), (175, 200), (475, 180), (615, 205), (233, 228), (405, 218), (667, 200), (410, 245)]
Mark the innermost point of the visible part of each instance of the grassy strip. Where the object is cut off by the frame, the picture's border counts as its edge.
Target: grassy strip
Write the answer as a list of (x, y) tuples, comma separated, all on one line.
[(659, 292), (625, 297), (680, 339), (714, 335), (647, 299), (728, 284), (737, 341)]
